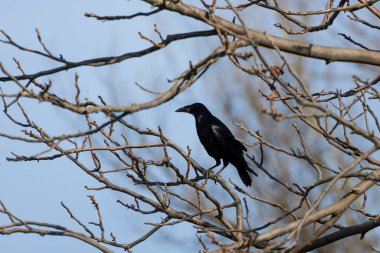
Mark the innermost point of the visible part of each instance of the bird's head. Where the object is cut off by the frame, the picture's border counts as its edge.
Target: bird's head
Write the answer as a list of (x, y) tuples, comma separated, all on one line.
[(194, 109)]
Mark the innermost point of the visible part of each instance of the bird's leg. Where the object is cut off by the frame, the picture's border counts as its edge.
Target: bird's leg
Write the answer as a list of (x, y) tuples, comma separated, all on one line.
[(217, 175), (207, 173)]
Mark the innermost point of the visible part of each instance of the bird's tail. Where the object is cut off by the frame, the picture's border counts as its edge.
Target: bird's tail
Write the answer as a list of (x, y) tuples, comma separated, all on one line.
[(244, 171)]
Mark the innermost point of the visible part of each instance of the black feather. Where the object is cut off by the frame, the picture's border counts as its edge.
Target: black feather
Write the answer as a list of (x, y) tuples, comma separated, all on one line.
[(218, 141)]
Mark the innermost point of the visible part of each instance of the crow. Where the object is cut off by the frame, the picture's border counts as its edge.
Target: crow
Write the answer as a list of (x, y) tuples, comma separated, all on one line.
[(219, 142)]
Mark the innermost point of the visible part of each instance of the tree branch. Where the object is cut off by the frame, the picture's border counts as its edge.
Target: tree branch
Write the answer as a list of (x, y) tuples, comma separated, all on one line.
[(361, 229), (329, 54)]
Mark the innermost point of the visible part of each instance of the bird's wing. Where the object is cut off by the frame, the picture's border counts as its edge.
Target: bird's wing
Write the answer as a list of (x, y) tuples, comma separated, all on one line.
[(225, 137)]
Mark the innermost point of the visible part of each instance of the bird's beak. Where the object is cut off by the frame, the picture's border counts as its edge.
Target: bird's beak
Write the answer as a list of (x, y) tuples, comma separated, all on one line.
[(183, 109)]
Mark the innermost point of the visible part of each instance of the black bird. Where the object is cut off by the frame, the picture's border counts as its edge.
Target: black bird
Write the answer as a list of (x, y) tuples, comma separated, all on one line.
[(219, 142)]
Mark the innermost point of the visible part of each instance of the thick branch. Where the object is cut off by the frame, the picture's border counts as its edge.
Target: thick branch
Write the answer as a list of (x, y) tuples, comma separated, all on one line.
[(361, 229), (329, 54), (330, 210), (14, 229)]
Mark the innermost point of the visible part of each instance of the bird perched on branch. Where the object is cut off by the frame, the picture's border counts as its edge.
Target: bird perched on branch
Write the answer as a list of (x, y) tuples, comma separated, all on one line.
[(219, 142)]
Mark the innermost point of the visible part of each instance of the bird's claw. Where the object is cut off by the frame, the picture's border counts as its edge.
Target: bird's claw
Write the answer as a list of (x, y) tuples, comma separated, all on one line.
[(216, 177), (208, 174)]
